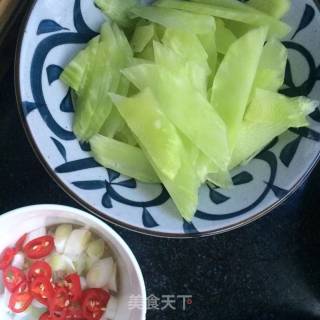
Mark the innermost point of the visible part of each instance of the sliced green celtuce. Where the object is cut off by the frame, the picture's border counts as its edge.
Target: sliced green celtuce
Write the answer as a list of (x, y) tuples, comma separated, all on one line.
[(117, 10), (171, 18), (154, 131), (74, 72), (192, 56), (269, 115), (125, 135), (181, 102), (123, 158), (270, 107), (236, 75), (142, 37), (276, 8), (113, 124), (94, 104), (255, 18), (224, 37), (271, 70)]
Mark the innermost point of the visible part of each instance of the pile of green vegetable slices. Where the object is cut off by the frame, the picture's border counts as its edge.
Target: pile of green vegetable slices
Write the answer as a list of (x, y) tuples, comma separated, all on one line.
[(181, 92)]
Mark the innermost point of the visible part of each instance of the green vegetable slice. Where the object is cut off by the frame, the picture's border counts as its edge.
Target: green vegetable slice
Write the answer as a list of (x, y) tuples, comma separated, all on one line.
[(224, 37), (188, 110), (125, 135), (234, 80), (269, 115), (271, 107), (117, 10), (276, 27), (113, 124), (74, 72), (272, 67), (142, 37), (94, 104), (276, 8), (123, 158), (154, 131), (171, 18)]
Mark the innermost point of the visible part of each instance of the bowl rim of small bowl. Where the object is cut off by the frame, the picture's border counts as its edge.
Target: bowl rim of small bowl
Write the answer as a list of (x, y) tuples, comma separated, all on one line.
[(108, 229), (104, 215)]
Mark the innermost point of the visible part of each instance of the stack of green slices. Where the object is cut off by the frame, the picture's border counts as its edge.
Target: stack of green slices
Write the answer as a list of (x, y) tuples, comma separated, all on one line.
[(181, 92)]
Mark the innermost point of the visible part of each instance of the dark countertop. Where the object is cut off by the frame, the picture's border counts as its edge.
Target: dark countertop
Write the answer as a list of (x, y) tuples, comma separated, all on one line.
[(267, 270)]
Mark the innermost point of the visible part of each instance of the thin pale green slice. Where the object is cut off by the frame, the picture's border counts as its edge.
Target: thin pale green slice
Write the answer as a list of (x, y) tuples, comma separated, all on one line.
[(171, 18), (276, 28), (271, 107), (224, 37), (221, 179), (231, 4), (94, 104), (234, 80), (194, 56), (275, 8), (186, 108), (117, 10), (252, 138), (156, 133), (113, 124), (123, 158), (272, 67), (126, 135), (269, 115), (183, 188), (142, 36), (73, 73), (182, 67)]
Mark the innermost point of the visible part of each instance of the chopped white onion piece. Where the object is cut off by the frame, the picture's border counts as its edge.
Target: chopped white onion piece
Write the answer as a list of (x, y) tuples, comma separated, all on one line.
[(81, 263), (100, 273), (90, 261), (77, 243), (36, 234), (111, 310), (61, 236), (59, 262), (83, 283), (96, 249), (18, 260)]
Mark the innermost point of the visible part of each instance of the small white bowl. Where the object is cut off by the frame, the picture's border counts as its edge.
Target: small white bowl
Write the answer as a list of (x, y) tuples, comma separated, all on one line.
[(131, 284)]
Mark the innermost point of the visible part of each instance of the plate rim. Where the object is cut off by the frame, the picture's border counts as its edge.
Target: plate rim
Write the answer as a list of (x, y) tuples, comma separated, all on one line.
[(104, 216)]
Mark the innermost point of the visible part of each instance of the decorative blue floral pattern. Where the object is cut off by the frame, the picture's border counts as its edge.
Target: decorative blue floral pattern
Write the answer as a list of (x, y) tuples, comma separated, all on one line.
[(55, 35)]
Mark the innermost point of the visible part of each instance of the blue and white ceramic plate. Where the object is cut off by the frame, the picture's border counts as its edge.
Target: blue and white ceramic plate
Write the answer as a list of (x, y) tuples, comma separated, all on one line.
[(56, 30)]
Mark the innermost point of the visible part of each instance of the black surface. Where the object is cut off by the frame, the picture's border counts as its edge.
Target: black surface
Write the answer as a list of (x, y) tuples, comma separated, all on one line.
[(267, 270)]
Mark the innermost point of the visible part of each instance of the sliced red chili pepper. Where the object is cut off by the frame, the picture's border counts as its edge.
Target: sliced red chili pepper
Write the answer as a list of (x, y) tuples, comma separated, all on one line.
[(19, 244), (94, 303), (13, 277), (6, 257), (39, 247), (21, 298), (42, 290), (60, 299), (73, 285), (39, 268), (74, 313), (45, 316)]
